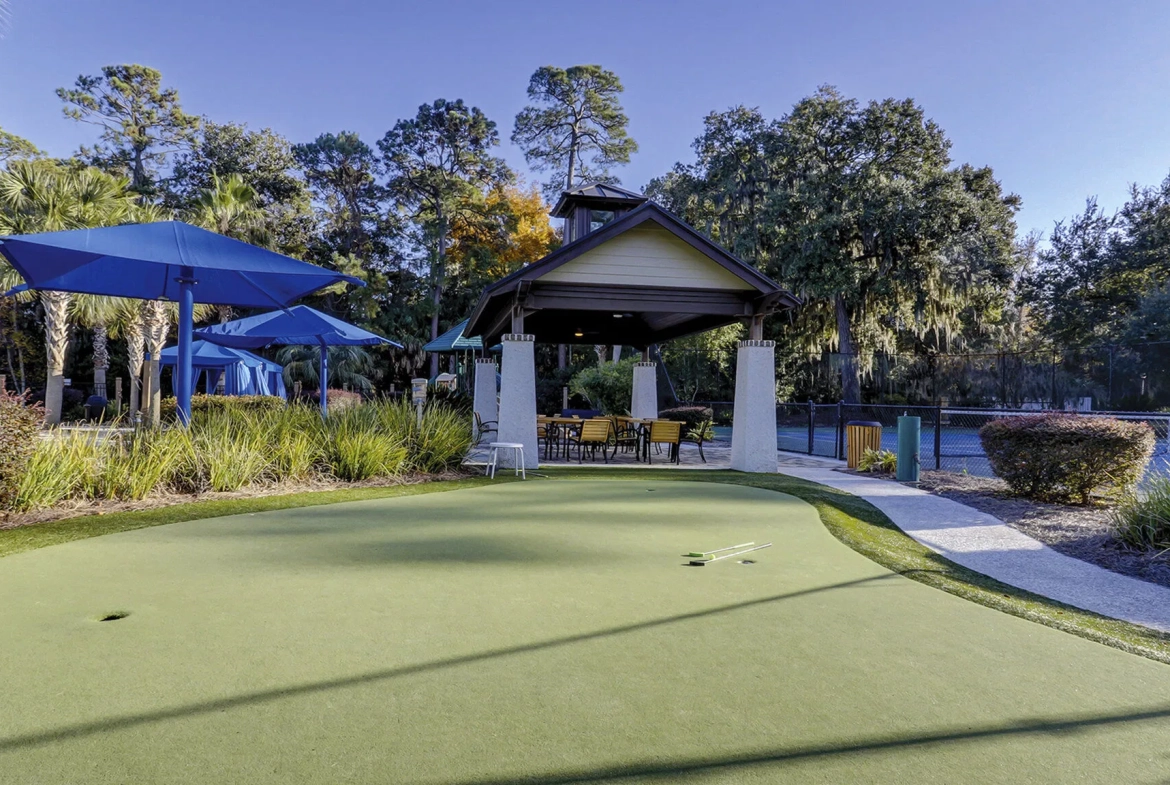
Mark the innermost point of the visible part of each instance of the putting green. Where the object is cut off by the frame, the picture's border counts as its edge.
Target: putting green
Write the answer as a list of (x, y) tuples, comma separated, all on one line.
[(541, 632)]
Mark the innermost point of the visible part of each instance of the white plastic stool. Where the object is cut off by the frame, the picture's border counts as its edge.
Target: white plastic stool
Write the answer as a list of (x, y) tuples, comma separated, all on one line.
[(517, 457)]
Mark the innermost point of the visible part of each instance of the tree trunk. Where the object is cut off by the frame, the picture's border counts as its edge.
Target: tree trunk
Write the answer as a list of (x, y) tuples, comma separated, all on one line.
[(101, 360), (573, 144), (437, 292), (56, 305), (601, 350), (562, 362), (135, 346), (850, 375), (157, 320)]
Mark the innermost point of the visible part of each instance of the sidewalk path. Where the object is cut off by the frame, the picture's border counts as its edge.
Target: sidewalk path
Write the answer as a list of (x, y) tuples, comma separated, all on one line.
[(987, 545)]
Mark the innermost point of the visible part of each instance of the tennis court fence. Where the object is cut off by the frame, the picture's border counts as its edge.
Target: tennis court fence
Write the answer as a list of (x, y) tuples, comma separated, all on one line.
[(950, 436)]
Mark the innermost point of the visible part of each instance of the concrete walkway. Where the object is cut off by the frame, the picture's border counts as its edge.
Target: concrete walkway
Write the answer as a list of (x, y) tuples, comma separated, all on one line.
[(987, 545)]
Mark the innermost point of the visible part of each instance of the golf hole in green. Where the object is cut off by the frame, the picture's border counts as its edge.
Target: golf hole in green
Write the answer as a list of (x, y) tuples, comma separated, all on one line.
[(115, 616)]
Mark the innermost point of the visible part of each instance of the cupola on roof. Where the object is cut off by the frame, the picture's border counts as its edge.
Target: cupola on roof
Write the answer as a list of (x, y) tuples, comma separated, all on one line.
[(590, 207)]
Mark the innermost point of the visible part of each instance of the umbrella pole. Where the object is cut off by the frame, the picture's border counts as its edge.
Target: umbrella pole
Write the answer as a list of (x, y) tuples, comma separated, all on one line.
[(183, 361), (323, 380)]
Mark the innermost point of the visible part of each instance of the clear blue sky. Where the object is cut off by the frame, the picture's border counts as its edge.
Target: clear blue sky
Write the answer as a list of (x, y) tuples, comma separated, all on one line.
[(1063, 99)]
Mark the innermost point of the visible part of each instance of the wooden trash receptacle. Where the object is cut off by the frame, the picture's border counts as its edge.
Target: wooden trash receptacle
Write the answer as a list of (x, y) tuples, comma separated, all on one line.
[(861, 435)]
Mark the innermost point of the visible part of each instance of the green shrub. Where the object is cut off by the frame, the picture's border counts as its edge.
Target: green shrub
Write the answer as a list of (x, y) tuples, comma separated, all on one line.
[(1066, 457), (878, 461), (1142, 520), (235, 404), (608, 387), (691, 416), (19, 427)]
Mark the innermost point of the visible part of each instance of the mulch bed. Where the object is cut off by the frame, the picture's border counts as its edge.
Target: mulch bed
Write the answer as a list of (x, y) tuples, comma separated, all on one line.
[(1081, 532)]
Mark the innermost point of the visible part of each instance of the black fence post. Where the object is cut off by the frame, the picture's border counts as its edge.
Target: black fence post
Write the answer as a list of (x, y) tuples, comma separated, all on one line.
[(938, 437), (812, 425)]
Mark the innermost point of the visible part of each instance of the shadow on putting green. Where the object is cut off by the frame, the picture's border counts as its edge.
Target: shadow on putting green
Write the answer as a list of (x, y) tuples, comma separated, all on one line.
[(876, 745), (95, 727)]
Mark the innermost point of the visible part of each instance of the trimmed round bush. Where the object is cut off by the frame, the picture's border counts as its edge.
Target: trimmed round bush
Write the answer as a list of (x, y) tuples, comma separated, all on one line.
[(1066, 457)]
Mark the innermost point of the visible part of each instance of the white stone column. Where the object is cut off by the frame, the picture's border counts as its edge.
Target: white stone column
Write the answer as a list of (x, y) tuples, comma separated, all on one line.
[(485, 402), (644, 403), (518, 398), (753, 434)]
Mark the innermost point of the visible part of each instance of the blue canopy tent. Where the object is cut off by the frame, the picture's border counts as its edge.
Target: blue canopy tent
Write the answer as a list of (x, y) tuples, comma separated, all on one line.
[(168, 260), (296, 326), (243, 373)]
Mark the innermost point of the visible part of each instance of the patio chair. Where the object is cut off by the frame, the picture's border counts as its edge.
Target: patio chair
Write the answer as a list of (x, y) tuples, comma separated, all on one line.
[(549, 433), (665, 432), (482, 428), (625, 436), (593, 434), (698, 435)]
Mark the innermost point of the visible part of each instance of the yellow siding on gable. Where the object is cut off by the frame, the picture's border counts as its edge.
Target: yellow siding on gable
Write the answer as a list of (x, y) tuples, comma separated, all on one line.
[(646, 256)]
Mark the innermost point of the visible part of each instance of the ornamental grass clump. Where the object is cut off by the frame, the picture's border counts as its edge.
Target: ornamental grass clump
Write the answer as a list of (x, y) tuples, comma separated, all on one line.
[(1066, 457), (64, 466), (227, 448), (1142, 520)]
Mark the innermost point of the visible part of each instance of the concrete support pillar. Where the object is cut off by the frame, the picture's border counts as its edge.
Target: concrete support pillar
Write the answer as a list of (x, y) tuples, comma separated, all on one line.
[(485, 402), (644, 404), (518, 398), (753, 435)]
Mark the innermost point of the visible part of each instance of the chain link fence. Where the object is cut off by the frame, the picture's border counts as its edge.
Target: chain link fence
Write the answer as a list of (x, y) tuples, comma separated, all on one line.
[(949, 436)]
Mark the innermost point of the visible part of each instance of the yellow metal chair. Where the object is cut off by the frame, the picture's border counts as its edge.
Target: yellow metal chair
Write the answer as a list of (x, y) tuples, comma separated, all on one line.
[(664, 432), (593, 434)]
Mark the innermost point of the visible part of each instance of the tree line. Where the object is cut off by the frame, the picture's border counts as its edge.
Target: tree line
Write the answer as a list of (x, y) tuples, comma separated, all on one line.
[(857, 207)]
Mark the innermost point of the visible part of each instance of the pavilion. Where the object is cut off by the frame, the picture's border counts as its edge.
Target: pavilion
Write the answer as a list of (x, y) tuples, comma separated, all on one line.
[(629, 273)]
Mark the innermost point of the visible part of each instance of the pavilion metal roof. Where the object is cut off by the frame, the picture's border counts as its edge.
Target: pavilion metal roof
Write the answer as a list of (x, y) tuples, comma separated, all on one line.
[(454, 341), (636, 315)]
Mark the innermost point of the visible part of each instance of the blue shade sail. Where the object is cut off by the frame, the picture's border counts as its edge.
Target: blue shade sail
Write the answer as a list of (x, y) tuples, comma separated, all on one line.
[(147, 261)]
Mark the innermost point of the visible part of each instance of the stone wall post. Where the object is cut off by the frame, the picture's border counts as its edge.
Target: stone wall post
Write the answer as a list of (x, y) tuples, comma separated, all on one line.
[(518, 398), (486, 402), (644, 403), (753, 435)]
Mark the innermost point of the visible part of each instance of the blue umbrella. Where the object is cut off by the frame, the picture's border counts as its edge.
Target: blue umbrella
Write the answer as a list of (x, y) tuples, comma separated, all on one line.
[(168, 260), (296, 326)]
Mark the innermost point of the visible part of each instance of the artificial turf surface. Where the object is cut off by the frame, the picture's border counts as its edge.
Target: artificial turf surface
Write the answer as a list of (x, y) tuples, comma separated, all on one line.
[(541, 632)]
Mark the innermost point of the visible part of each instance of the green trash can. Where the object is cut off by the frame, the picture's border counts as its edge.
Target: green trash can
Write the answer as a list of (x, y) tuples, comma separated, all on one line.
[(909, 448)]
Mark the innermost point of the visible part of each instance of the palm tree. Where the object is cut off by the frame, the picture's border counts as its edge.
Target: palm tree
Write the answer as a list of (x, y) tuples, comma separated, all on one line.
[(44, 196), (348, 366), (231, 207)]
